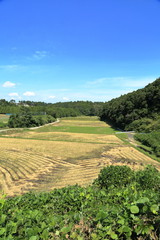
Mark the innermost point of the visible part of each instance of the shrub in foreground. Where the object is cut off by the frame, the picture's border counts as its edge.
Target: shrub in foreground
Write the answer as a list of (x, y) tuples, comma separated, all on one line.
[(149, 178), (115, 175), (122, 212)]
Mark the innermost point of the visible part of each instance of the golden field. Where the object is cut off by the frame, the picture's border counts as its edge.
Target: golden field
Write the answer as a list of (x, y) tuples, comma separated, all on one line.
[(61, 158)]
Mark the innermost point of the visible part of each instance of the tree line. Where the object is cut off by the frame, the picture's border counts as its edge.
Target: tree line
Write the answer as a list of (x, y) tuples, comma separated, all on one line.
[(25, 119), (30, 113), (56, 110), (134, 109)]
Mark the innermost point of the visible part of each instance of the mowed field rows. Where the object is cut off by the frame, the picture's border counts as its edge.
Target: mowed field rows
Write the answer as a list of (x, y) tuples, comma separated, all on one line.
[(49, 157)]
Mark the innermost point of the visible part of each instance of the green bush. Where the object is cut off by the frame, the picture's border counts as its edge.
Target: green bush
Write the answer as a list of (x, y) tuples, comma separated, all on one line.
[(139, 125), (43, 119), (20, 121), (26, 119), (149, 178), (121, 213), (88, 213), (115, 175)]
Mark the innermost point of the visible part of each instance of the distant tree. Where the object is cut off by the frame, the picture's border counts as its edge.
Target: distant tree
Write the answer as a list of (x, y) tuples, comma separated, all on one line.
[(23, 119)]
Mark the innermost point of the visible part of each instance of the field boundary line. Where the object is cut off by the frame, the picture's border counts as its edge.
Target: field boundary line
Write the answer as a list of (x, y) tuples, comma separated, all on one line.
[(52, 123)]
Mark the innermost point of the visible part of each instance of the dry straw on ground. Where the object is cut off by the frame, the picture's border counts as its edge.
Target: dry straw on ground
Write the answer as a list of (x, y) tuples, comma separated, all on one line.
[(29, 164)]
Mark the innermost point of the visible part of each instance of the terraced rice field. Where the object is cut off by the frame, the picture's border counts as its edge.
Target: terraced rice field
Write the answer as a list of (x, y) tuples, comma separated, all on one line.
[(66, 136), (29, 163)]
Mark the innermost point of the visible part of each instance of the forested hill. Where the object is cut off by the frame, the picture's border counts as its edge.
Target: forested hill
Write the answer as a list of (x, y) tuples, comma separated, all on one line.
[(57, 110), (134, 108)]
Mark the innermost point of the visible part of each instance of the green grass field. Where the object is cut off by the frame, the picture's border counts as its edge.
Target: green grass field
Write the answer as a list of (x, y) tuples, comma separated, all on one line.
[(123, 137), (90, 125), (76, 129)]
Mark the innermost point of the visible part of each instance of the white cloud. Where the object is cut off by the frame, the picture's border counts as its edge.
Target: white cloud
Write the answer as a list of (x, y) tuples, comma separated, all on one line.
[(52, 97), (29, 94), (14, 94), (8, 84), (120, 82), (137, 83), (38, 55), (97, 81), (65, 99)]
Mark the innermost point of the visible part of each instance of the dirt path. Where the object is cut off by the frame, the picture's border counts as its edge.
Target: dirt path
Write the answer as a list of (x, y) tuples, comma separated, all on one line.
[(52, 123), (131, 138), (32, 128)]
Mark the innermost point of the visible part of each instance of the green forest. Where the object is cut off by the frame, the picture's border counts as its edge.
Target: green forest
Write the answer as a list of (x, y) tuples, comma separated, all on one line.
[(56, 110), (32, 114), (139, 110)]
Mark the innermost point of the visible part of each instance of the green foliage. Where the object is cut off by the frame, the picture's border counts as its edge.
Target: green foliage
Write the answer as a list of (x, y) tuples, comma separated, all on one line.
[(145, 124), (59, 112), (149, 178), (56, 110), (87, 108), (115, 176), (154, 126), (151, 140), (43, 119), (3, 125), (143, 103), (139, 125), (26, 119), (123, 211)]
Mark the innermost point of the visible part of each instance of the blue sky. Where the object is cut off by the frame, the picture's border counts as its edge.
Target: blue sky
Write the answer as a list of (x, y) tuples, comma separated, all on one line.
[(69, 50)]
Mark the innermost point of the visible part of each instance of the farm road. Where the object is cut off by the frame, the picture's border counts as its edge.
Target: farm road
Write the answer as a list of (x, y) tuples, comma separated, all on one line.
[(52, 123)]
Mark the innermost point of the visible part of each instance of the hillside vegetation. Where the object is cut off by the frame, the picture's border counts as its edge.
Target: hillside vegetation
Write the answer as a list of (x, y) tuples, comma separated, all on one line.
[(151, 140), (31, 114), (139, 110), (56, 110)]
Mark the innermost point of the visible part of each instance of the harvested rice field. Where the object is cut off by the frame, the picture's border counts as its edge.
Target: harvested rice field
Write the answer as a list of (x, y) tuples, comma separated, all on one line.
[(66, 136), (42, 159)]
